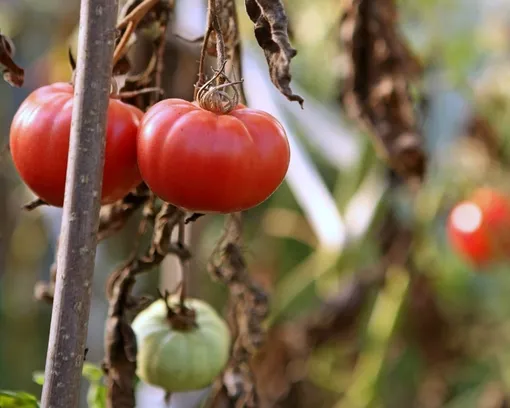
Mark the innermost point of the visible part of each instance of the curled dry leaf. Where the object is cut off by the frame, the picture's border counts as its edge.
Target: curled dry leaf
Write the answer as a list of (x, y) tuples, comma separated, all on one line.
[(271, 32), (13, 74), (380, 69), (113, 217), (247, 309)]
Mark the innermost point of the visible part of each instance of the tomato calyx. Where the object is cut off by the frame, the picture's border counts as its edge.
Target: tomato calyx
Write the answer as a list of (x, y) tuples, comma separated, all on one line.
[(180, 317), (214, 97)]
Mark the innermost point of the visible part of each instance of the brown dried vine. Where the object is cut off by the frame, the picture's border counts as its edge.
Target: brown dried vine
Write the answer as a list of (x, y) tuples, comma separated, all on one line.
[(380, 70), (247, 308), (13, 74)]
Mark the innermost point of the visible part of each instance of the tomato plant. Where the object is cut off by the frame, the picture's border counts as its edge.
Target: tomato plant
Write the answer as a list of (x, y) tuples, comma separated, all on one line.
[(39, 142), (179, 358), (479, 227), (207, 162)]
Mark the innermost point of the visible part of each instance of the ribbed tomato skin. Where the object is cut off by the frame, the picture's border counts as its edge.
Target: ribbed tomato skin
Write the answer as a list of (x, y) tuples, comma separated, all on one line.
[(39, 142), (489, 239), (211, 163)]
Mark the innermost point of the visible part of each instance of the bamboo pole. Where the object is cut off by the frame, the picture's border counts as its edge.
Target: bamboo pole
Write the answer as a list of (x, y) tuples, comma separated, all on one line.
[(77, 246)]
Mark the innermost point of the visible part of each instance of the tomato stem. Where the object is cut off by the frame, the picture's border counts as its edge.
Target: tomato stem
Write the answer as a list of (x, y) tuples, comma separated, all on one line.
[(179, 317), (211, 97), (213, 25), (184, 262), (32, 205)]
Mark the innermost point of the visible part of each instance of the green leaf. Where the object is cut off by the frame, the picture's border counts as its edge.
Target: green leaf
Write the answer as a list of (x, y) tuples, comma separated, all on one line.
[(92, 372), (37, 377), (96, 396), (17, 399)]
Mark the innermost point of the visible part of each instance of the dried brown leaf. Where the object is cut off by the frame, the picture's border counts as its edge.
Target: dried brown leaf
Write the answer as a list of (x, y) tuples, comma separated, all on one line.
[(13, 74), (113, 217), (271, 32)]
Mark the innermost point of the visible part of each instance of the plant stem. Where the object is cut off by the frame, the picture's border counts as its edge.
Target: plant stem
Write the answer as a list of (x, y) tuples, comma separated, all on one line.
[(221, 56), (77, 246), (181, 242), (213, 24)]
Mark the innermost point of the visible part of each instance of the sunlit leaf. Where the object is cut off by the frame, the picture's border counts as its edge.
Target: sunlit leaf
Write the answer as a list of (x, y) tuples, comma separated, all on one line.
[(17, 399), (38, 377), (92, 372), (96, 396)]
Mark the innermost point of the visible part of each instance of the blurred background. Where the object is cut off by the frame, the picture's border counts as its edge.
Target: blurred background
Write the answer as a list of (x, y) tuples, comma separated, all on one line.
[(438, 339)]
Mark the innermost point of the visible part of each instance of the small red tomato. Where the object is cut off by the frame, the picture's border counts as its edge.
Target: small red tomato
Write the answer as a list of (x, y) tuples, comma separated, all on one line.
[(39, 142), (208, 162), (479, 228)]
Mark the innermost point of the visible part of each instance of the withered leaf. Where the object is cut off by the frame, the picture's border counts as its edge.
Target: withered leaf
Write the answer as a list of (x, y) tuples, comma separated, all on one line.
[(248, 307), (376, 92), (13, 74), (271, 32)]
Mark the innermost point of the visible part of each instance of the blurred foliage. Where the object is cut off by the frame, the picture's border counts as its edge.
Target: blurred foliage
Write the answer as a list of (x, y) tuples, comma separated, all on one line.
[(465, 48)]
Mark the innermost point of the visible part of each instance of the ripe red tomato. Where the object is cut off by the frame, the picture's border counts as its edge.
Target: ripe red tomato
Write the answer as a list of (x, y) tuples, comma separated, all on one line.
[(479, 228), (39, 142), (211, 163)]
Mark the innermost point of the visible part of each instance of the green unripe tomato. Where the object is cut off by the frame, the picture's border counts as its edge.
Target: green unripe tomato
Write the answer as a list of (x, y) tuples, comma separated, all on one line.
[(180, 360)]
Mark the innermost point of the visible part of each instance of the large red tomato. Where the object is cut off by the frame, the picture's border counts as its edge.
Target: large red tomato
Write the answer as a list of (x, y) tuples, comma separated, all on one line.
[(479, 228), (211, 163), (39, 142)]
